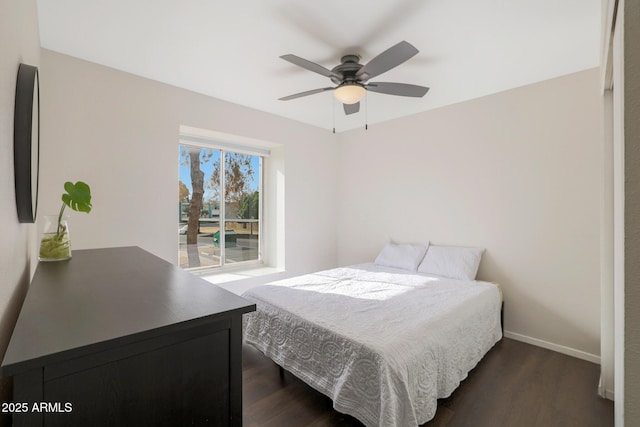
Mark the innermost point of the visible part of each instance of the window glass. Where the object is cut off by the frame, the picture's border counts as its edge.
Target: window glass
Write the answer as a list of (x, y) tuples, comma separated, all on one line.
[(208, 176)]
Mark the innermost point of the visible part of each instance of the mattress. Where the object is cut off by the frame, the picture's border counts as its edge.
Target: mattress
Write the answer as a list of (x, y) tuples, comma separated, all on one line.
[(383, 343)]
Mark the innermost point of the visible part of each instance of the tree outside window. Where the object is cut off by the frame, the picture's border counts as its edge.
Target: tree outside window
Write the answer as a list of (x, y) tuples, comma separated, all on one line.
[(201, 214)]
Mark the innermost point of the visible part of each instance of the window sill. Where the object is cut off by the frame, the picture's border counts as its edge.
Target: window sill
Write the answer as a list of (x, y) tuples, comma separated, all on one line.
[(251, 277)]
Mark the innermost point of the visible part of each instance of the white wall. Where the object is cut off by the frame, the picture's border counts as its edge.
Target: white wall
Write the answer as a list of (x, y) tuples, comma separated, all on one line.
[(19, 42), (518, 173), (119, 133)]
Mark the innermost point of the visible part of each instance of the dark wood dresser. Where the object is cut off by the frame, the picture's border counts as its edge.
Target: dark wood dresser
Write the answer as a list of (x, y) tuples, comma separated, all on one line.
[(120, 337)]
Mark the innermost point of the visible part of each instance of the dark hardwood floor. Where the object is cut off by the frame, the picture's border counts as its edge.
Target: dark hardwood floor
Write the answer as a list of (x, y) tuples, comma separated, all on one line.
[(516, 384)]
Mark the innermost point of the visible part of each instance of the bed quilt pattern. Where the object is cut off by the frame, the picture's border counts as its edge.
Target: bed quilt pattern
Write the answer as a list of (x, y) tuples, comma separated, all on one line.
[(382, 343)]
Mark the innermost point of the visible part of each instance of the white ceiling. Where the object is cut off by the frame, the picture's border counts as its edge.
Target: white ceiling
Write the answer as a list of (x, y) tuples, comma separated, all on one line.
[(230, 50)]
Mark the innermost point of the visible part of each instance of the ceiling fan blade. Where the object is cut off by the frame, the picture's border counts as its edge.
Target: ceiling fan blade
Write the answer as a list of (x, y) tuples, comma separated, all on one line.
[(301, 94), (399, 89), (311, 66), (387, 60), (351, 108)]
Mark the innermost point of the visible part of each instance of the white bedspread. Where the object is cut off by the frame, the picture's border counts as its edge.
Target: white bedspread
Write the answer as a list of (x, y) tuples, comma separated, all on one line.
[(382, 343)]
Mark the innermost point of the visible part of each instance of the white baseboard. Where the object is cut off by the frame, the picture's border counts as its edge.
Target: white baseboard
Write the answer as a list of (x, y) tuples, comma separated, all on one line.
[(555, 347)]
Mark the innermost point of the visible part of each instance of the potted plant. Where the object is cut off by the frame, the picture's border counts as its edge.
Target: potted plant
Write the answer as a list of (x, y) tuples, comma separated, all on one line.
[(55, 244)]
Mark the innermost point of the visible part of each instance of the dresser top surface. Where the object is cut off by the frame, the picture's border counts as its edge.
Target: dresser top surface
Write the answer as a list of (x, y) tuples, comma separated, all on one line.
[(110, 297)]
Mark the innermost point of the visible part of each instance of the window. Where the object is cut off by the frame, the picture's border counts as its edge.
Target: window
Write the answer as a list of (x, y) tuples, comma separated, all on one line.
[(219, 189)]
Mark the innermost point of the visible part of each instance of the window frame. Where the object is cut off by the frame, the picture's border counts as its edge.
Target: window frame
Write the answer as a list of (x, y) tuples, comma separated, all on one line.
[(227, 147)]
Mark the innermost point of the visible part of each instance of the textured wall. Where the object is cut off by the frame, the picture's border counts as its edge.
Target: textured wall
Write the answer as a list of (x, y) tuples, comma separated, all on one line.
[(518, 173), (19, 42), (119, 133), (631, 66)]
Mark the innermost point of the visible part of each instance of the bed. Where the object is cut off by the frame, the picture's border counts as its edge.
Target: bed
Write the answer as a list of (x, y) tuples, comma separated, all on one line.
[(383, 343)]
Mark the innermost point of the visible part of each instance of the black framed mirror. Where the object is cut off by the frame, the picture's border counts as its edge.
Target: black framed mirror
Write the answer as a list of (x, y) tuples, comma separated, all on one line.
[(26, 142)]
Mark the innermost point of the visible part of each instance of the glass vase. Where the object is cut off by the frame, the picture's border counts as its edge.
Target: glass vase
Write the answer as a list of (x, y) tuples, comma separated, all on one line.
[(55, 244)]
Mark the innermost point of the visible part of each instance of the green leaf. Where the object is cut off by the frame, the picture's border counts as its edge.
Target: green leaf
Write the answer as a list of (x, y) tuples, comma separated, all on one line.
[(77, 196)]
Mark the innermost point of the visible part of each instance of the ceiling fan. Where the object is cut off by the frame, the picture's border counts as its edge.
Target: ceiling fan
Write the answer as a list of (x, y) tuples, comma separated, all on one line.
[(352, 77)]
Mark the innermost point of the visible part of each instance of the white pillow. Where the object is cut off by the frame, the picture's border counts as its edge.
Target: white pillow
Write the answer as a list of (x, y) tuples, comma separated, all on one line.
[(452, 262), (405, 256)]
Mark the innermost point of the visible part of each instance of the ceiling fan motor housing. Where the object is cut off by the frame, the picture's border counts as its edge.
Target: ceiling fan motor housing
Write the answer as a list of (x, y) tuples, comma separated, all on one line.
[(347, 69)]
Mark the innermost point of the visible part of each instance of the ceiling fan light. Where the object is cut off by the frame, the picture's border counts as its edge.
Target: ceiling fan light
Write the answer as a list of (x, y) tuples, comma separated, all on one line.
[(349, 93)]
